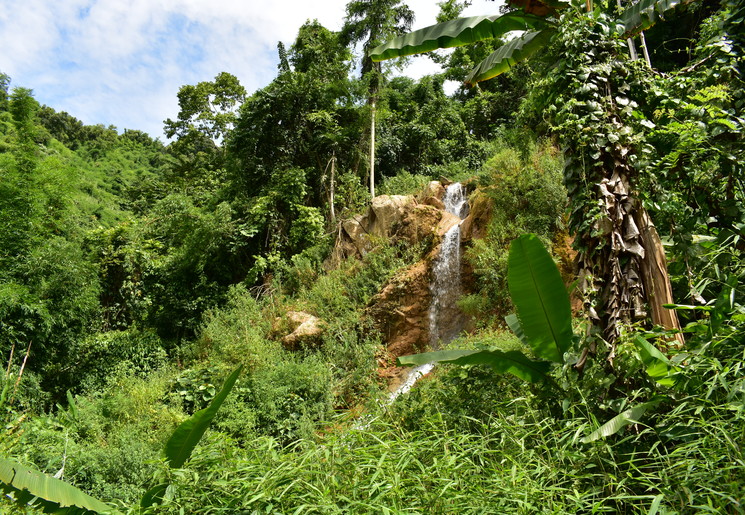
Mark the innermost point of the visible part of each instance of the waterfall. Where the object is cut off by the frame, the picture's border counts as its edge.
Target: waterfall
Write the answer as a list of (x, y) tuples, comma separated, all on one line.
[(445, 289), (445, 318), (455, 200), (444, 315)]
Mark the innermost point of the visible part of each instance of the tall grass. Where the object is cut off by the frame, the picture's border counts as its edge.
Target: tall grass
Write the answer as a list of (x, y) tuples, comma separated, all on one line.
[(465, 442)]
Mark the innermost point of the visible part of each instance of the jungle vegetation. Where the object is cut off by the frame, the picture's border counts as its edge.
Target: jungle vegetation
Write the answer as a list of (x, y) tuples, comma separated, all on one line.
[(141, 281)]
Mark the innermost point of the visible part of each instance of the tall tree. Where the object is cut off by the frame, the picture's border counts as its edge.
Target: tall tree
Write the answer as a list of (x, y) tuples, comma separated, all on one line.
[(207, 113), (4, 84), (286, 138), (208, 107), (371, 22)]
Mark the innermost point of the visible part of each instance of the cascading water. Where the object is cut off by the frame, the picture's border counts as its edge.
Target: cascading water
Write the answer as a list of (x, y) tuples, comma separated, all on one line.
[(455, 200), (445, 288), (445, 318)]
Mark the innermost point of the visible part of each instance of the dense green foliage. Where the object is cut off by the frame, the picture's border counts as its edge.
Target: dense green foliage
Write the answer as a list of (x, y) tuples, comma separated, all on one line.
[(136, 275)]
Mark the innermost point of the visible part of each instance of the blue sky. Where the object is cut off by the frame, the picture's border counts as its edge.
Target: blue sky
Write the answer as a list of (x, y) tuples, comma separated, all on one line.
[(121, 63)]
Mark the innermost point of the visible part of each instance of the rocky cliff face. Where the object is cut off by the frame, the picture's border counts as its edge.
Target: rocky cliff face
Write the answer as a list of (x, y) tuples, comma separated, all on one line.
[(402, 308), (390, 217)]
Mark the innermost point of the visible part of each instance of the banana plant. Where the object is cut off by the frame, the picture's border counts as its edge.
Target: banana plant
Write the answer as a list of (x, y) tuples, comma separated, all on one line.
[(185, 438), (543, 321), (32, 488), (538, 29)]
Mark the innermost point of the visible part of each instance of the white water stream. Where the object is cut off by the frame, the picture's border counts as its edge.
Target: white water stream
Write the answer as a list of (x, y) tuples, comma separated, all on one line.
[(445, 287)]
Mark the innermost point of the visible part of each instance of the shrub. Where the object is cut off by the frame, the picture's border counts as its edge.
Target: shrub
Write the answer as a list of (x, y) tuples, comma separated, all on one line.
[(101, 357), (291, 398), (527, 195), (403, 183), (236, 333)]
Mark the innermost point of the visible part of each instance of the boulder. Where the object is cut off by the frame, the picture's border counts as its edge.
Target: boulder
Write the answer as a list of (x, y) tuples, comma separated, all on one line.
[(476, 224), (386, 211), (356, 229), (398, 217), (446, 223), (418, 224), (306, 330), (434, 202), (434, 189)]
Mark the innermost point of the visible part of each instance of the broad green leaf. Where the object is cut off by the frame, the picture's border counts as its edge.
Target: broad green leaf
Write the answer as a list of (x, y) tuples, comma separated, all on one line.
[(540, 297), (154, 495), (53, 492), (73, 407), (687, 307), (658, 365), (649, 353), (620, 421), (461, 31), (644, 14), (435, 357), (514, 324), (508, 55), (186, 436), (511, 362)]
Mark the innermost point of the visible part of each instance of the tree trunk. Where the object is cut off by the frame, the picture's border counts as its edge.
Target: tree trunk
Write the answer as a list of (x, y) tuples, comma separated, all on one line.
[(645, 50), (629, 41), (331, 187), (372, 152), (655, 278), (623, 272)]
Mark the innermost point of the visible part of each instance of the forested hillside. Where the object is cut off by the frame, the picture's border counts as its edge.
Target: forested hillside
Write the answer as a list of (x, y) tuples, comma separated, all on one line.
[(215, 324)]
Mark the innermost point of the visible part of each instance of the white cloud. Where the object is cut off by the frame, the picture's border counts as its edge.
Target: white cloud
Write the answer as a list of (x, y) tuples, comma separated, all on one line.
[(122, 63)]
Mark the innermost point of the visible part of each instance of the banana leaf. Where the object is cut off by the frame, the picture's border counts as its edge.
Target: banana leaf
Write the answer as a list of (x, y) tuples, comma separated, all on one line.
[(514, 324), (509, 54), (540, 298), (33, 487), (644, 14), (658, 365), (511, 362), (186, 436), (620, 421), (453, 33)]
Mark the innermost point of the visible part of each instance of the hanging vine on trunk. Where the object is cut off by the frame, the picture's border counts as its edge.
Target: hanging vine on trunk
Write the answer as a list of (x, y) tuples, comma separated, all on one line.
[(589, 99)]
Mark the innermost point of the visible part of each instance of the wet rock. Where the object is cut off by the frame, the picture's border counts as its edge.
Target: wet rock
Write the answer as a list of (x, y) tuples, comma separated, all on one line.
[(476, 223)]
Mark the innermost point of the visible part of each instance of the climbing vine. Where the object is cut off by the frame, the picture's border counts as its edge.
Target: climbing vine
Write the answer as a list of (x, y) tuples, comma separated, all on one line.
[(591, 100)]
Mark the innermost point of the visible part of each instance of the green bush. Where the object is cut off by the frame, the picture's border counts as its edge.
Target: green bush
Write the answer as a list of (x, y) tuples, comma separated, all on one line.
[(304, 268), (194, 388), (526, 194), (237, 334), (403, 183), (291, 398), (350, 347), (107, 442), (101, 357)]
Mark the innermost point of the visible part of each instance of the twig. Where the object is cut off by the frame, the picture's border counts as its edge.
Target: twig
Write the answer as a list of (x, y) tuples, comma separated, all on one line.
[(20, 372)]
